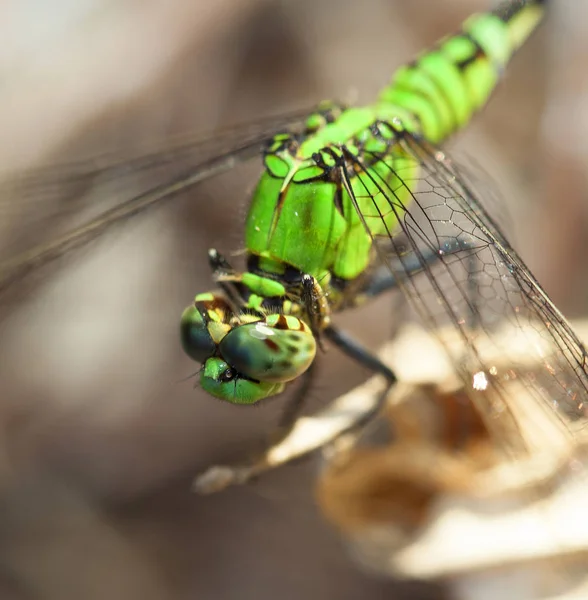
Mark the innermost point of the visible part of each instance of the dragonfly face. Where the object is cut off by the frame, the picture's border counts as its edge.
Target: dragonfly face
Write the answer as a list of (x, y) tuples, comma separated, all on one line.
[(245, 358), (339, 187)]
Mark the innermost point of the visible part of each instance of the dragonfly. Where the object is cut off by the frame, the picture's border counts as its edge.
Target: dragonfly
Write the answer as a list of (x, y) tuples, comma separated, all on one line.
[(351, 203)]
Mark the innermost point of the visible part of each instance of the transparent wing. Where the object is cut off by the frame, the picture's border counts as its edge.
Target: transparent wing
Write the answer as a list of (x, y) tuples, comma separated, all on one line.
[(472, 289), (164, 173)]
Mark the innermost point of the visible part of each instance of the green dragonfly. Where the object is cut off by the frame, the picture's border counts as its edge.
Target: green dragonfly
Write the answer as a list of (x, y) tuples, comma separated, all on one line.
[(353, 202)]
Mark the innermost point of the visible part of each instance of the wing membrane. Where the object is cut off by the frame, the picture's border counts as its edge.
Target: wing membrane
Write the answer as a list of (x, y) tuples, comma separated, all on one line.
[(180, 166), (476, 289)]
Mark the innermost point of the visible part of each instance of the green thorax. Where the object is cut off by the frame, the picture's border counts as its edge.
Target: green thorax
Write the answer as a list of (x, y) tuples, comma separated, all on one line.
[(319, 201), (302, 213)]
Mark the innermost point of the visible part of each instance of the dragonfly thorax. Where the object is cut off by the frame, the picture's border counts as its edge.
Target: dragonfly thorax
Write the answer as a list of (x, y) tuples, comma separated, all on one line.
[(319, 204)]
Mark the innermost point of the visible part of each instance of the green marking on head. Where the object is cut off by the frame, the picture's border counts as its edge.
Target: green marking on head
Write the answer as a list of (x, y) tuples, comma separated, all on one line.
[(220, 380)]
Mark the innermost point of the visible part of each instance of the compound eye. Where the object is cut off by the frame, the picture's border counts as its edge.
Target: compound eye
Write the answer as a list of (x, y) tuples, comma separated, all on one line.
[(196, 339), (277, 349), (222, 381)]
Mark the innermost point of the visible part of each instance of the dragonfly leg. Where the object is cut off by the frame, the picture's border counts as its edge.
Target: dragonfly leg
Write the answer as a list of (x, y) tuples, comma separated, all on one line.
[(355, 350), (292, 444), (361, 354), (226, 277), (316, 306)]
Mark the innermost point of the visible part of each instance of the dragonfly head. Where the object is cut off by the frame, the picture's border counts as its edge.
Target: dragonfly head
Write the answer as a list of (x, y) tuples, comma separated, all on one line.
[(244, 358)]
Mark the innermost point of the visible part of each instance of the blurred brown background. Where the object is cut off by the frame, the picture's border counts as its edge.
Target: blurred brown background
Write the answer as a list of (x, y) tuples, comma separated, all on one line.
[(100, 438)]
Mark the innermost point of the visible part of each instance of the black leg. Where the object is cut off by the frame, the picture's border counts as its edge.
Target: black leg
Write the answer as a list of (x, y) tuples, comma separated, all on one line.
[(355, 350), (227, 278), (316, 306), (362, 355)]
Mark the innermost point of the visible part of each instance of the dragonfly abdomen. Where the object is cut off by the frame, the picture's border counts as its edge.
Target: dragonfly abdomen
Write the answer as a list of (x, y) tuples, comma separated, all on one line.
[(443, 87)]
